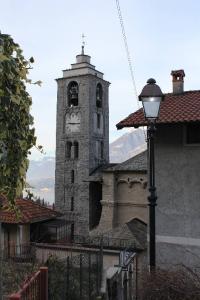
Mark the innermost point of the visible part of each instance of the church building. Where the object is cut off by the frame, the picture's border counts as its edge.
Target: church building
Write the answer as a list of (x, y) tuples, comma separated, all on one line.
[(84, 190)]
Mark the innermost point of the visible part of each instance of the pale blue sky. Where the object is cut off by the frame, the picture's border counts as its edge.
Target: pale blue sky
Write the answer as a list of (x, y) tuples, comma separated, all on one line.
[(162, 35)]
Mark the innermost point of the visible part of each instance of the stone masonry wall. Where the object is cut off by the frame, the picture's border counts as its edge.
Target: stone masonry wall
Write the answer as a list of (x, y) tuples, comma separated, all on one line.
[(86, 137)]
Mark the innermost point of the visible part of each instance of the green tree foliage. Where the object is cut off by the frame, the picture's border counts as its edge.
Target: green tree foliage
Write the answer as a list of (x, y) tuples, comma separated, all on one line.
[(17, 136)]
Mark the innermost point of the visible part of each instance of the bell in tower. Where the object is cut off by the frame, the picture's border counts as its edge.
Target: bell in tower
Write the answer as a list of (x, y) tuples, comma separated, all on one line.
[(99, 94), (73, 94)]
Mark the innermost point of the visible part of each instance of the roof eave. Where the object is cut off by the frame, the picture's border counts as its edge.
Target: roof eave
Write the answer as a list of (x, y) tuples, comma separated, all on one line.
[(126, 171), (121, 126), (31, 221), (137, 125), (37, 220)]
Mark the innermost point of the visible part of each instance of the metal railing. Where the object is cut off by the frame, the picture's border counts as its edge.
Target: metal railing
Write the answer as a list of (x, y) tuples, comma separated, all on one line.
[(75, 277), (35, 288), (74, 272), (22, 252)]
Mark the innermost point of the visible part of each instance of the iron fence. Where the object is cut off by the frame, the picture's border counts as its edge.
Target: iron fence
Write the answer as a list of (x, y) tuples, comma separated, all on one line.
[(20, 253), (76, 277)]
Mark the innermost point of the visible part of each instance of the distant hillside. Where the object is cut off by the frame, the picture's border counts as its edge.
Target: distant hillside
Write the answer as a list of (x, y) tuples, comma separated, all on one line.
[(41, 174), (39, 169), (127, 146)]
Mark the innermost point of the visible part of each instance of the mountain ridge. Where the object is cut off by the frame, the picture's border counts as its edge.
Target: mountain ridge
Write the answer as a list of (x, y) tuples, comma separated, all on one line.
[(41, 174)]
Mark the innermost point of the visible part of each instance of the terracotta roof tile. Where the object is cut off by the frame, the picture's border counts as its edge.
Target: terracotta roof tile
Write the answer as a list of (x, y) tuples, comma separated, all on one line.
[(176, 108), (30, 212)]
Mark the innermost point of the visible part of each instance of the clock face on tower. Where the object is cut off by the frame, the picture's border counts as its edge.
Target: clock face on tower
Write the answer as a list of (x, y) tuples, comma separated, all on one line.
[(72, 122)]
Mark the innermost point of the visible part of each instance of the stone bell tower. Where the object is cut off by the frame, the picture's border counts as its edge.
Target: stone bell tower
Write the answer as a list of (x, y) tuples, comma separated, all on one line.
[(82, 140)]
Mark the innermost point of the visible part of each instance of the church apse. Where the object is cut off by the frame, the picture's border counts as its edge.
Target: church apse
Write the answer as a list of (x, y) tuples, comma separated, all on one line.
[(131, 189)]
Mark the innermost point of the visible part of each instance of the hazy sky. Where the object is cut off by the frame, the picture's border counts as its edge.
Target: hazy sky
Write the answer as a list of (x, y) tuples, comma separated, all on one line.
[(162, 35)]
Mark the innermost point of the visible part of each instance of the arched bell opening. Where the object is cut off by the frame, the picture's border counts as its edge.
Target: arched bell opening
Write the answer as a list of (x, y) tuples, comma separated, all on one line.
[(72, 94), (99, 95)]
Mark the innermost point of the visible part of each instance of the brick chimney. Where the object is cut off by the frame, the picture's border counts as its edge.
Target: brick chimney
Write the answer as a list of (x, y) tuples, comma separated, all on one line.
[(178, 81)]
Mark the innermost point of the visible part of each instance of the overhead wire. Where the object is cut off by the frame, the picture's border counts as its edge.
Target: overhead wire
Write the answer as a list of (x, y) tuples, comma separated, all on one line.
[(127, 49), (128, 56)]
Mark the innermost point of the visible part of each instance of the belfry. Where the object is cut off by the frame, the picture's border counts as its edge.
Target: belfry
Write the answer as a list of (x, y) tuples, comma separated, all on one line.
[(82, 143)]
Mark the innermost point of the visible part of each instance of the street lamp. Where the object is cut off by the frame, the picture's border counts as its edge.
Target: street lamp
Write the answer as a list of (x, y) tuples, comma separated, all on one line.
[(151, 97)]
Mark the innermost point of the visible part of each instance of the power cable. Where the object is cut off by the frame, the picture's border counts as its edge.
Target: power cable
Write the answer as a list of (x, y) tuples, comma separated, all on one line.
[(127, 49), (128, 56)]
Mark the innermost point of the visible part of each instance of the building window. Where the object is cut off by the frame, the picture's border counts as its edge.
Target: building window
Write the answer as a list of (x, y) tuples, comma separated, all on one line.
[(193, 134), (72, 94), (68, 150), (72, 232), (99, 95), (101, 149), (72, 176), (98, 121), (76, 149), (97, 149), (72, 203)]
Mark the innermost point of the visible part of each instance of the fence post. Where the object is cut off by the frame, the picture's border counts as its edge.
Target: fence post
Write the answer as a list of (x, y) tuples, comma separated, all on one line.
[(136, 277), (101, 264), (89, 273), (68, 286), (43, 283), (81, 266), (14, 297)]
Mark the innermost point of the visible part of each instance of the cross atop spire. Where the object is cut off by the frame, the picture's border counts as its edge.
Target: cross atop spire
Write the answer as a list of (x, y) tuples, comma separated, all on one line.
[(83, 43)]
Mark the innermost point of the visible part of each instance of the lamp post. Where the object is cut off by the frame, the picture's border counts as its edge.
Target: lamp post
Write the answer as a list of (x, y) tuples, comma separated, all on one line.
[(151, 97)]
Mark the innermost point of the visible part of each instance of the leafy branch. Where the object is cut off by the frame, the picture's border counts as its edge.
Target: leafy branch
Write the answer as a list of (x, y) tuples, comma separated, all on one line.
[(17, 134)]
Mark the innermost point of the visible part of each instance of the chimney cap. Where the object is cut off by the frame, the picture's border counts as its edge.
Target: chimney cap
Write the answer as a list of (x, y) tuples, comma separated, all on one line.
[(178, 73), (178, 81)]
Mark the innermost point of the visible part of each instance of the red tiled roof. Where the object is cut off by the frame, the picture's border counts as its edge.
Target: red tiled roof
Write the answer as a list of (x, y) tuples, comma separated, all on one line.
[(175, 108), (30, 212)]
